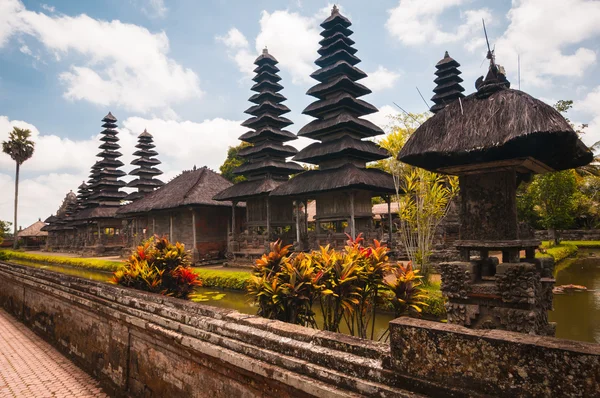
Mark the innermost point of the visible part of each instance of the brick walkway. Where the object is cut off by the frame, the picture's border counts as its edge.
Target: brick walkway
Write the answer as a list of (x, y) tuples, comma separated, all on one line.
[(30, 367)]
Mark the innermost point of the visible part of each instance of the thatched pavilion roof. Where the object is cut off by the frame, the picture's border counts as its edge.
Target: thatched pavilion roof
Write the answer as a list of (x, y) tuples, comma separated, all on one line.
[(34, 230), (345, 177), (482, 127), (193, 187)]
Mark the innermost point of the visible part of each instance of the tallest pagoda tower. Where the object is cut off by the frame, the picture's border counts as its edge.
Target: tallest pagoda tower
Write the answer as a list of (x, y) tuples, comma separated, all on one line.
[(342, 185)]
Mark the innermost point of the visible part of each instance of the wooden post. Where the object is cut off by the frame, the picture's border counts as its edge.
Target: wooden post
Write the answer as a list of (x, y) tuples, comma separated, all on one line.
[(391, 224), (352, 225), (99, 241), (268, 222), (194, 229), (171, 227), (233, 204), (298, 222), (306, 216), (153, 226)]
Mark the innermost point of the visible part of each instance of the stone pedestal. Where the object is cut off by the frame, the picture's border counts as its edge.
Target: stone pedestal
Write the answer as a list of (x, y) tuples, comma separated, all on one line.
[(516, 298)]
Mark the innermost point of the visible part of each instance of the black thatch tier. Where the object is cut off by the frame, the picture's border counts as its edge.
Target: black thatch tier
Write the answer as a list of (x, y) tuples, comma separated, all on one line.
[(109, 154), (268, 133), (342, 178), (145, 171), (267, 120), (133, 196), (96, 213), (267, 107), (339, 68), (335, 19), (268, 148), (111, 146), (109, 118), (267, 96), (145, 159), (341, 42), (267, 85), (340, 83), (343, 123), (345, 146), (448, 81), (337, 28), (269, 166), (50, 219), (146, 183), (266, 67), (107, 194), (190, 188), (110, 172), (336, 56), (245, 190), (329, 40), (266, 74), (337, 102), (508, 124), (110, 138)]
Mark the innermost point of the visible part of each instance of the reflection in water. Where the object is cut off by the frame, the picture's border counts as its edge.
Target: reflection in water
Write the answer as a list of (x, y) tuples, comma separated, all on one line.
[(577, 314)]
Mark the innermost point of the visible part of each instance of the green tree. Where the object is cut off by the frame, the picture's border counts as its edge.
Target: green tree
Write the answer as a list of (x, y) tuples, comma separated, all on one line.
[(232, 162), (554, 195), (423, 197), (4, 229), (20, 148)]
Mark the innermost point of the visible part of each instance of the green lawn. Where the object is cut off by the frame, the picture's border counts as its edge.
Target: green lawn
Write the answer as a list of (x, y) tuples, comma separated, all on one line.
[(104, 265)]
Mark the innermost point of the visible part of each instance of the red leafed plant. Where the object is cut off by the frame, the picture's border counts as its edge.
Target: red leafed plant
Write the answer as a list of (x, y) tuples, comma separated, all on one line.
[(159, 266)]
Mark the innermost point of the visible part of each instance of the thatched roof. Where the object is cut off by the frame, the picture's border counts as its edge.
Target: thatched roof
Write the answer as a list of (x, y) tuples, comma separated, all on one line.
[(93, 213), (507, 124), (247, 189), (34, 230), (194, 187), (345, 177)]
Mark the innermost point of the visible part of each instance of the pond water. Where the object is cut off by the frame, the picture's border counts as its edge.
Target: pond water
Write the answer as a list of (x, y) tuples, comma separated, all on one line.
[(577, 314)]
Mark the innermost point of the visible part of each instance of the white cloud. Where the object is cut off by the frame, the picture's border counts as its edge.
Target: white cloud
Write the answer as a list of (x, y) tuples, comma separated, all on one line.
[(48, 8), (155, 8), (290, 37), (126, 65), (549, 36), (416, 22), (381, 79), (590, 105)]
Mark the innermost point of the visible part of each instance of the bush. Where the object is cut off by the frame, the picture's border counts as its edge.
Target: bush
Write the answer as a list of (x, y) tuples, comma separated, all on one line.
[(348, 285), (158, 266), (4, 255), (558, 252), (103, 265)]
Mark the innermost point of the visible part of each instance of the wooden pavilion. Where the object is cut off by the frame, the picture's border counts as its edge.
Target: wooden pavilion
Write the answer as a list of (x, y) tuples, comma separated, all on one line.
[(342, 185), (33, 237), (185, 211), (268, 218)]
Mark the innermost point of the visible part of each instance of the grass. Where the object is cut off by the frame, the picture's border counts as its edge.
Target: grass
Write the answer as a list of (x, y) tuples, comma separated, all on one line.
[(582, 243), (104, 265), (558, 252), (435, 301), (224, 279)]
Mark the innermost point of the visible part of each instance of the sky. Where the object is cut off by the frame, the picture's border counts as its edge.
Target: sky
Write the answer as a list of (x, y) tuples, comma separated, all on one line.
[(182, 70)]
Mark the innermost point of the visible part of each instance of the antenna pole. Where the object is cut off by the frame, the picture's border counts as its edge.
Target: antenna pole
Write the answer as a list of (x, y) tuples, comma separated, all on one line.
[(407, 114), (490, 54), (425, 102)]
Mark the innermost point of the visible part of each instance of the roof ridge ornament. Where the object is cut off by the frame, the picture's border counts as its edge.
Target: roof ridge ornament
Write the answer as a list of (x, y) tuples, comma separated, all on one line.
[(265, 51), (496, 77), (335, 10)]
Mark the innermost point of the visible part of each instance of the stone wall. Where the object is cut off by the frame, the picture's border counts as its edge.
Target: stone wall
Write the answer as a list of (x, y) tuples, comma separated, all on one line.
[(142, 344), (571, 234), (495, 362)]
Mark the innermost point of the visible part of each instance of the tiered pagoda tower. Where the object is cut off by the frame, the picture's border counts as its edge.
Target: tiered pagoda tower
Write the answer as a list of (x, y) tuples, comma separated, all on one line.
[(107, 184), (83, 194), (144, 173), (342, 185), (266, 166), (448, 84)]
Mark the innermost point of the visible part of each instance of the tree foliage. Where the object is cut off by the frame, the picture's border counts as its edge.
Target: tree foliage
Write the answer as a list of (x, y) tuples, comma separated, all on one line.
[(4, 229), (232, 162)]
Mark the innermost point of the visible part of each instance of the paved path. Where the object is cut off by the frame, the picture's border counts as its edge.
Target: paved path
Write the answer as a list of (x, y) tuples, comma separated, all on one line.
[(30, 367)]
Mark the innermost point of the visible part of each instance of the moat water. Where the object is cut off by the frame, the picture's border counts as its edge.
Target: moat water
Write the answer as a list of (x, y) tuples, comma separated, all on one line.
[(577, 314)]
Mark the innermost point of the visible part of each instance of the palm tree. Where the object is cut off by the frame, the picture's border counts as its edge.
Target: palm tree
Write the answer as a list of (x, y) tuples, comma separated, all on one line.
[(20, 148)]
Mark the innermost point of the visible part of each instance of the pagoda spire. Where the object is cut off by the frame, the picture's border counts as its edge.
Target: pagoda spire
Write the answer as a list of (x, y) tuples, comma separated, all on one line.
[(144, 173), (106, 174), (338, 110), (448, 84), (83, 194)]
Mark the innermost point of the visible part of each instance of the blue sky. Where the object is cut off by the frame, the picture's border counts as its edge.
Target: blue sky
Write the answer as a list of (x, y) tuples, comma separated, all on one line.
[(181, 69)]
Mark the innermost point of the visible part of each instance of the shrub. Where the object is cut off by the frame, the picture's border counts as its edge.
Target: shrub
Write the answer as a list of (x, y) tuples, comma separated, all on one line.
[(404, 283), (158, 266), (232, 280), (103, 265)]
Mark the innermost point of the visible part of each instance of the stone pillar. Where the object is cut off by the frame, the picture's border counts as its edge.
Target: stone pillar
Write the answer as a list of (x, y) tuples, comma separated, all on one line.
[(171, 237), (298, 243), (391, 224), (268, 239)]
